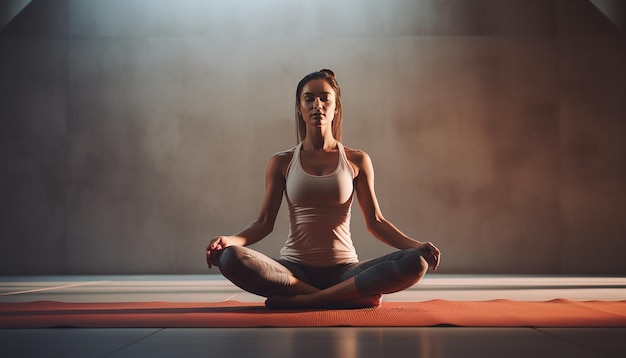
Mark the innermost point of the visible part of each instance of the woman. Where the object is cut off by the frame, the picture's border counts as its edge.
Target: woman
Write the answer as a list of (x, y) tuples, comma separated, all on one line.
[(318, 266)]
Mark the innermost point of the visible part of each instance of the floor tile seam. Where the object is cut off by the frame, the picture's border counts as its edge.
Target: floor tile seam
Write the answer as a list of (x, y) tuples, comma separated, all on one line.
[(110, 354), (573, 343), (230, 298), (52, 288)]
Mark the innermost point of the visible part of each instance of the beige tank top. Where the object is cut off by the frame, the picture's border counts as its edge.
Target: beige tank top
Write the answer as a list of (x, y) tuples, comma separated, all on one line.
[(319, 214)]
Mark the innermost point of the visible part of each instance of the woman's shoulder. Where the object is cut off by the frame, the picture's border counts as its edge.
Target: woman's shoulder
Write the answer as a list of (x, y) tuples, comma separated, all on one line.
[(284, 155), (281, 160), (356, 156), (359, 160)]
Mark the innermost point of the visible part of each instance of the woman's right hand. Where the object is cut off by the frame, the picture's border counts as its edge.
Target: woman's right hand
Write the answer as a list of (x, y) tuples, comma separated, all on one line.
[(216, 245)]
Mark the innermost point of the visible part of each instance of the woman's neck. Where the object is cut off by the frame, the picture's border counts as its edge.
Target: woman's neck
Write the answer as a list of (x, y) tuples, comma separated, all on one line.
[(319, 142)]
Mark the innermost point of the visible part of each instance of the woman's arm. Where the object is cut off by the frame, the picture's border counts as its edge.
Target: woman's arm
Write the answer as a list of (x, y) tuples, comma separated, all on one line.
[(376, 223), (264, 224)]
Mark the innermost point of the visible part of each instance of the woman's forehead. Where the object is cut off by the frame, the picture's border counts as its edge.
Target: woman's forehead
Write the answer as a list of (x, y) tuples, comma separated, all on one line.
[(318, 86)]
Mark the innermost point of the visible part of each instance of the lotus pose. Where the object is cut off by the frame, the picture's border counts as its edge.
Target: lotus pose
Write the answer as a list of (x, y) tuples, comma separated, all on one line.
[(318, 266)]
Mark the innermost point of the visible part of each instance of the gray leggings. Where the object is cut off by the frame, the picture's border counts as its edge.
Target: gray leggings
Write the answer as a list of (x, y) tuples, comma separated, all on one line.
[(259, 274)]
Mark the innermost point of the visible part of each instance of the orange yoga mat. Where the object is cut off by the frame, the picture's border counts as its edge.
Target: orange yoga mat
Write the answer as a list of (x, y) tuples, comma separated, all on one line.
[(493, 313)]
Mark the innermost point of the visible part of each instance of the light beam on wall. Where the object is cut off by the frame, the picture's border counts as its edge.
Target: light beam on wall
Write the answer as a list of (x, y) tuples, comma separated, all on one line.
[(615, 10), (9, 9)]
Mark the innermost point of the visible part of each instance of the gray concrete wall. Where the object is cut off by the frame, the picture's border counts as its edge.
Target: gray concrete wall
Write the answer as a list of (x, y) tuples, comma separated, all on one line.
[(133, 131)]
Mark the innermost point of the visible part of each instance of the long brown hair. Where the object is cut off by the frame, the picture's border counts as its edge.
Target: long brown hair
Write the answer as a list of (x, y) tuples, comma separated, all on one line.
[(330, 77)]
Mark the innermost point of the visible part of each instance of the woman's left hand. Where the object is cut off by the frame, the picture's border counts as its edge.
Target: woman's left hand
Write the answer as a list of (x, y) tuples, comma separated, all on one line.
[(431, 254)]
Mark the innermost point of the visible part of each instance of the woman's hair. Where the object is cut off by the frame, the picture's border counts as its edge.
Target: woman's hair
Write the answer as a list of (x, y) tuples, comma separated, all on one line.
[(330, 77)]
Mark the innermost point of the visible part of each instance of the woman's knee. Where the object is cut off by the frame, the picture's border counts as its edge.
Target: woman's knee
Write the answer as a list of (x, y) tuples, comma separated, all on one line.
[(253, 271), (242, 263), (417, 263), (230, 260), (398, 271)]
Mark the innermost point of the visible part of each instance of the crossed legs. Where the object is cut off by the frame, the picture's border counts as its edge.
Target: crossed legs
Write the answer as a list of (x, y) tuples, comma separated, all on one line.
[(355, 285)]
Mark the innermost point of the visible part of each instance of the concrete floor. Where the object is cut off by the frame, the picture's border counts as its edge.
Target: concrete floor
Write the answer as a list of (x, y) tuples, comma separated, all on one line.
[(343, 342)]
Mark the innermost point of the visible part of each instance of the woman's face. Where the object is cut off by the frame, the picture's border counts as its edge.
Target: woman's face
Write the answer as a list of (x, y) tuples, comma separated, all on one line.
[(317, 103)]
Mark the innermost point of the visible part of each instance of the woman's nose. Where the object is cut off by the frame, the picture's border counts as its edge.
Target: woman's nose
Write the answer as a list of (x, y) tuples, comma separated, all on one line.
[(317, 103)]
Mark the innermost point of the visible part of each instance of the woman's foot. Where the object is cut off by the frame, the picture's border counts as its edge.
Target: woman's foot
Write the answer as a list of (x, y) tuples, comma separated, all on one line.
[(290, 302), (308, 302), (361, 302)]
